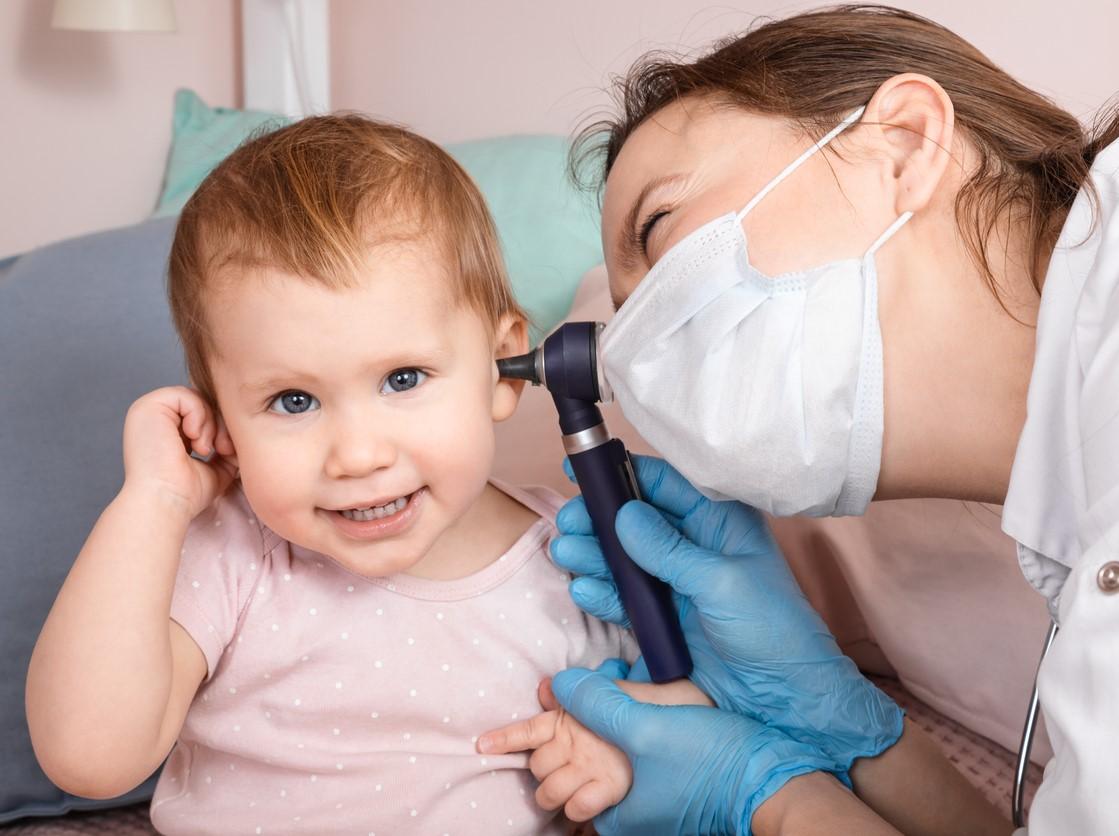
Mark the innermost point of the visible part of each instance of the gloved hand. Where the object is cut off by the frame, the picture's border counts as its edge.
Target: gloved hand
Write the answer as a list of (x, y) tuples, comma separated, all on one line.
[(696, 770), (758, 646)]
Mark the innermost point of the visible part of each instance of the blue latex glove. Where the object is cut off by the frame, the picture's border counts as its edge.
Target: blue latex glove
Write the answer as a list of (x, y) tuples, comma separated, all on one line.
[(696, 770), (758, 646)]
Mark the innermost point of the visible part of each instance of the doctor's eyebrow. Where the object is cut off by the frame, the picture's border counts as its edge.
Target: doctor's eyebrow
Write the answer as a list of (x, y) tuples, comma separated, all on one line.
[(629, 244)]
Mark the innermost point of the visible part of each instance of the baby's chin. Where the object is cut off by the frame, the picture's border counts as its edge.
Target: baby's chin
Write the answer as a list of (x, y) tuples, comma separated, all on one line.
[(371, 560), (374, 568)]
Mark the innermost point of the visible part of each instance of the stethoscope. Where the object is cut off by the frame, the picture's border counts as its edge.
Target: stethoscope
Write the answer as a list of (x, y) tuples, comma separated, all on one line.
[(1016, 806)]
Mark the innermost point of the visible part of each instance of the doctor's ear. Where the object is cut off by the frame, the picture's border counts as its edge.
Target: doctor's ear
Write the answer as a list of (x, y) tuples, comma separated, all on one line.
[(915, 119), (510, 340)]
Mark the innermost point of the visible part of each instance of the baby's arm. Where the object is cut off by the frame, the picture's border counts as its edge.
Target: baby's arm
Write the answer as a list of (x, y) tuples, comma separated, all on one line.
[(576, 769), (111, 676)]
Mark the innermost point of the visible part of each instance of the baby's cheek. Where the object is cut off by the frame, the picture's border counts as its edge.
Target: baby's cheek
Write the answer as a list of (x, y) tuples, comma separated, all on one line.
[(459, 441)]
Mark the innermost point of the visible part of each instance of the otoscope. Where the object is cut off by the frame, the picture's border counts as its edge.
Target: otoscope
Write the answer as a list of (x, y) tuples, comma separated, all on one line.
[(566, 364)]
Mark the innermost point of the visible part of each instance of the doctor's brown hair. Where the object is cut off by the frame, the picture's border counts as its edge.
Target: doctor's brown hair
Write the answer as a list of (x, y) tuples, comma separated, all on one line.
[(815, 68), (313, 199)]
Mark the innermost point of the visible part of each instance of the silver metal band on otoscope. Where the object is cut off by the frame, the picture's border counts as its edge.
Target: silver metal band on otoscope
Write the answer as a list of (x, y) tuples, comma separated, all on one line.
[(586, 439), (538, 363)]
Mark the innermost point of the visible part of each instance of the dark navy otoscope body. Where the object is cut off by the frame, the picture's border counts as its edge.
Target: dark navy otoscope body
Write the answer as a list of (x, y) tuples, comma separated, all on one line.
[(566, 364)]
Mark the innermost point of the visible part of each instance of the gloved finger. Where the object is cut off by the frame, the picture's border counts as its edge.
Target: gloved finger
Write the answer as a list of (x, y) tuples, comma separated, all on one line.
[(600, 599), (665, 487), (573, 518), (727, 527), (639, 671), (567, 469), (591, 799), (614, 668), (599, 704), (661, 550), (580, 556)]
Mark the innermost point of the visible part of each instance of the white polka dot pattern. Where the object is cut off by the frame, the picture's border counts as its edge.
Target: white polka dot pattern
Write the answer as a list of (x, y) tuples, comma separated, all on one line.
[(350, 705)]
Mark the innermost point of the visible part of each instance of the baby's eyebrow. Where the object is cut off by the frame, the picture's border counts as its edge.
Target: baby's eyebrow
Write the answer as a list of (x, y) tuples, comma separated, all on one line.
[(418, 357), (273, 383)]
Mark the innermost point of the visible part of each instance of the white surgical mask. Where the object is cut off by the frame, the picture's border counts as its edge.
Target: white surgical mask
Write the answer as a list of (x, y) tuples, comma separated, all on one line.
[(763, 389)]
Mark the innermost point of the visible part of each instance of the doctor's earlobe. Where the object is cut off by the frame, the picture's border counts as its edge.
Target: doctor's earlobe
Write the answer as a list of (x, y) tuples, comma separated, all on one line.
[(916, 122)]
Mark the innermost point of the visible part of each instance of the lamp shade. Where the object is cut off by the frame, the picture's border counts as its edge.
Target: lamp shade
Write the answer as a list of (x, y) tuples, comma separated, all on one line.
[(115, 15)]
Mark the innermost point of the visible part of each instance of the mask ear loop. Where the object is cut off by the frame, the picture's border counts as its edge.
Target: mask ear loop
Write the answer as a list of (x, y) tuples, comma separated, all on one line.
[(851, 119), (888, 234)]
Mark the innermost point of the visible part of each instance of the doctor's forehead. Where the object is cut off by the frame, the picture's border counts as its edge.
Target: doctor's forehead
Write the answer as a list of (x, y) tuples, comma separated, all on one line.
[(691, 140)]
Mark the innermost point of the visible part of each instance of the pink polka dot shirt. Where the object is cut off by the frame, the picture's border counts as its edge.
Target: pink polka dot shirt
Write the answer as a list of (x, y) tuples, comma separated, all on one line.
[(337, 704)]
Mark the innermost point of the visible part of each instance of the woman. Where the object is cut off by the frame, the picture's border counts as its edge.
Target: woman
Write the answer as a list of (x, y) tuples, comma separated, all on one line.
[(923, 303)]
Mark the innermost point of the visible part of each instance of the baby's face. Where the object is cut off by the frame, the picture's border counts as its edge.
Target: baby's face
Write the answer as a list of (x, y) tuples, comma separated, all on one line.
[(362, 418)]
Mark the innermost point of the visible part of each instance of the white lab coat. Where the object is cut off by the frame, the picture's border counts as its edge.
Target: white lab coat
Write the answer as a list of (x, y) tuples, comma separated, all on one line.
[(1063, 509)]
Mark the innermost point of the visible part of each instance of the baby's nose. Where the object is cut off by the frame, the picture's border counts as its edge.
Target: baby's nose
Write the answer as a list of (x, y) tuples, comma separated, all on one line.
[(357, 449)]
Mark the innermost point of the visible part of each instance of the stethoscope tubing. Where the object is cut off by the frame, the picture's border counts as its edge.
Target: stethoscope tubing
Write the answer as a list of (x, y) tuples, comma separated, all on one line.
[(1016, 805)]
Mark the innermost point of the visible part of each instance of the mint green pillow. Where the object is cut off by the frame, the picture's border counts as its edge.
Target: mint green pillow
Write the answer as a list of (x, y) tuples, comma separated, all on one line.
[(549, 229), (201, 137)]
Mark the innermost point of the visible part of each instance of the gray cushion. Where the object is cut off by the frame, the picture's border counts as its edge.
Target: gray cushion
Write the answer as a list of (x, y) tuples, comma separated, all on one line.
[(84, 331)]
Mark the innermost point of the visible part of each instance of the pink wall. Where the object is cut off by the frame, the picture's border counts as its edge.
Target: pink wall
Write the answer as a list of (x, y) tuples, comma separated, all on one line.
[(457, 70), (87, 115)]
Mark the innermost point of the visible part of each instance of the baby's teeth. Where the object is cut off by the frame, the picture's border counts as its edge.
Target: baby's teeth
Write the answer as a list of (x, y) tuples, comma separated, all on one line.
[(376, 513)]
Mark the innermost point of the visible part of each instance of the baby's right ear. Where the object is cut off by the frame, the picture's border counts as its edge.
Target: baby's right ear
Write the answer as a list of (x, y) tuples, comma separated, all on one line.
[(223, 442)]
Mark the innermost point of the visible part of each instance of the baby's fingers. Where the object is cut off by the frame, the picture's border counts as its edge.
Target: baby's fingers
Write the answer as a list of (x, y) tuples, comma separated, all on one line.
[(549, 758), (546, 696), (520, 736), (560, 786), (592, 798)]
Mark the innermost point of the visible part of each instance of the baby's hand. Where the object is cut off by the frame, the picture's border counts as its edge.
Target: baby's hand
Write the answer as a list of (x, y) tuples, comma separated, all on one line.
[(160, 430), (578, 770)]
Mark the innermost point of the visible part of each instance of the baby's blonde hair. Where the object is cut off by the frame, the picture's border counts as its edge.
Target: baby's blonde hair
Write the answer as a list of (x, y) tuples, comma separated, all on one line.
[(311, 199)]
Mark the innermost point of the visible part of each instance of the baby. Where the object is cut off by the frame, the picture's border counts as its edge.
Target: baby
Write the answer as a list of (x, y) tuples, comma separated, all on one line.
[(308, 590)]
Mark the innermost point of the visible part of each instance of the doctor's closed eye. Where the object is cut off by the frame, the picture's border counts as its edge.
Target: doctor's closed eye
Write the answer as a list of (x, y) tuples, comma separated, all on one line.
[(647, 229)]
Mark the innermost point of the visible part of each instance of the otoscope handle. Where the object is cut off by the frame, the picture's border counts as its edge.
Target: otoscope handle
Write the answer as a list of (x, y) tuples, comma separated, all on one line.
[(606, 479)]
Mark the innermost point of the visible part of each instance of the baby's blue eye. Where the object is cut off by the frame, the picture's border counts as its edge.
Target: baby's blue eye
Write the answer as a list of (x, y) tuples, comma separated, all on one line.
[(293, 403), (402, 380)]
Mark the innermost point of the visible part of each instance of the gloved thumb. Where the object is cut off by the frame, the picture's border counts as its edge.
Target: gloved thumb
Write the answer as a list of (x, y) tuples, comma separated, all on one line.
[(600, 705), (600, 599), (662, 551)]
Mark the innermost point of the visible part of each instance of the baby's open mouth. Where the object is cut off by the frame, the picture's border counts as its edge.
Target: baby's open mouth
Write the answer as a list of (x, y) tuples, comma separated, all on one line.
[(376, 512)]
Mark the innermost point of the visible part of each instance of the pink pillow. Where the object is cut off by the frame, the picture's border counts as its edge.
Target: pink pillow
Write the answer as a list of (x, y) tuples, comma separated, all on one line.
[(927, 590)]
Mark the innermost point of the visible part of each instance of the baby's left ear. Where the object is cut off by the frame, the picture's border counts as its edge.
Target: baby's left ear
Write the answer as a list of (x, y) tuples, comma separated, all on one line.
[(510, 340)]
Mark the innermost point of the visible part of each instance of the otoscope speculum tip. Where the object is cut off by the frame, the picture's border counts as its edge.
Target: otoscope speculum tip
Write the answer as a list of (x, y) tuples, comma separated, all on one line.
[(521, 367)]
